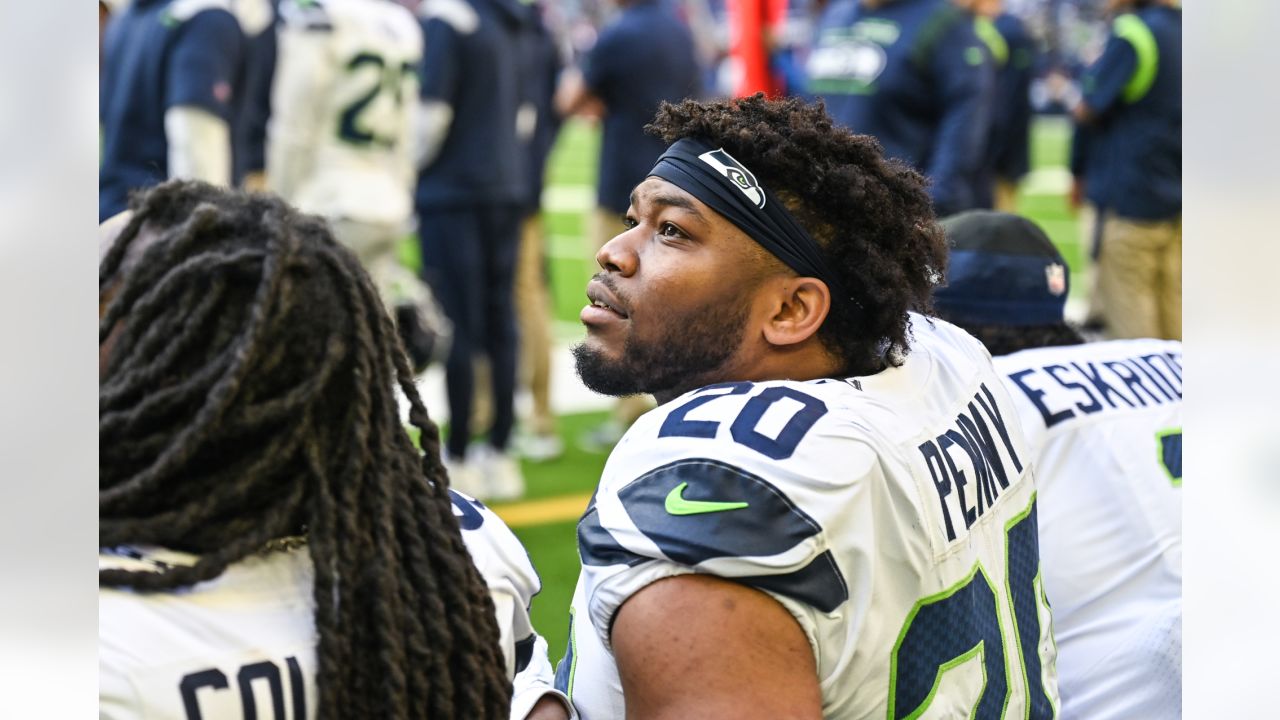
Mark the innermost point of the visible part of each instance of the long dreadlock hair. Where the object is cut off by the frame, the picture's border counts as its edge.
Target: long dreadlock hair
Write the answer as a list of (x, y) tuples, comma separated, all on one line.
[(249, 394)]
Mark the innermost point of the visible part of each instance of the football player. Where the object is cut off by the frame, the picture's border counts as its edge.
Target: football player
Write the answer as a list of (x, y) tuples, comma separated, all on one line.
[(167, 96), (914, 74), (468, 198), (269, 535), (1104, 424), (832, 512), (340, 141)]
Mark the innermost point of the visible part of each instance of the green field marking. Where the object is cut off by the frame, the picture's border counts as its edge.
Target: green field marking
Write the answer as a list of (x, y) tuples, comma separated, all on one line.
[(526, 513), (574, 156), (559, 199), (1050, 141), (567, 247)]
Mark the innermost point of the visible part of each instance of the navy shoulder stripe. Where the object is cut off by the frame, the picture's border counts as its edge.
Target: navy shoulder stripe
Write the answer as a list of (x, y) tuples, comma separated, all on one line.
[(596, 545), (698, 509), (820, 583), (524, 652)]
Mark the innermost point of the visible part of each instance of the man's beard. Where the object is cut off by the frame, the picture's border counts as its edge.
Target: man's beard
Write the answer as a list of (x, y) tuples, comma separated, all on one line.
[(691, 349)]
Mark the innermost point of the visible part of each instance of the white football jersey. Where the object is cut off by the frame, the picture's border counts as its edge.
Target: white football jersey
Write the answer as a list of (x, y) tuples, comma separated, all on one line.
[(1104, 421), (243, 644), (343, 107), (892, 515)]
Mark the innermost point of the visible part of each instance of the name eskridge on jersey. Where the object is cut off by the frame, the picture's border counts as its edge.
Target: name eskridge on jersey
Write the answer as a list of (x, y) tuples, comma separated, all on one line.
[(1064, 390), (972, 463)]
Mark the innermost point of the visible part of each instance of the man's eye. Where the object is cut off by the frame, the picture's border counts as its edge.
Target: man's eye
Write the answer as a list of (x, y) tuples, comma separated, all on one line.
[(669, 230), (629, 222)]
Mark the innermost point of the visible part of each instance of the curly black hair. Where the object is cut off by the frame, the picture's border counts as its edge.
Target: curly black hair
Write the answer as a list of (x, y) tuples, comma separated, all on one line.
[(249, 394), (1008, 339), (872, 216)]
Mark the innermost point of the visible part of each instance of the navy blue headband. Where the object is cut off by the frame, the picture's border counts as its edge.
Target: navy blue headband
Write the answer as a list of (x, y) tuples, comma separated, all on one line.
[(725, 185)]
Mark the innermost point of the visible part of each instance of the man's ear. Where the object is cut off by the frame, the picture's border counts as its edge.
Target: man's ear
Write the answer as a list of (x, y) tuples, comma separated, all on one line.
[(799, 306)]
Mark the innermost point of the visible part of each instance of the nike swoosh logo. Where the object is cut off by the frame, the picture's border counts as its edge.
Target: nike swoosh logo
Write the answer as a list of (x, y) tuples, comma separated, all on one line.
[(677, 505)]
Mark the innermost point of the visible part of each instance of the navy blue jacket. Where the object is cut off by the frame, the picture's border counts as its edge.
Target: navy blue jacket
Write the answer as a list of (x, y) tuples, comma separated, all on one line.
[(644, 57), (1012, 52), (152, 61), (476, 70), (1011, 116), (250, 125), (914, 74), (541, 64), (1130, 155)]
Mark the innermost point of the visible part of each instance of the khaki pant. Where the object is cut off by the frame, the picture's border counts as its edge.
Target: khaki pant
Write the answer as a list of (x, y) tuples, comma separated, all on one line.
[(608, 224), (533, 309), (1087, 273), (1140, 277), (1006, 195)]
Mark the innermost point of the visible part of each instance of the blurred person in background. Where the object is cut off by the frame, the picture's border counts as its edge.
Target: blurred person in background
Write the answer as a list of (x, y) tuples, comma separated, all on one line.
[(1104, 423), (1012, 141), (469, 201), (340, 141), (170, 88), (1013, 53), (1127, 160), (915, 75), (644, 56), (710, 39), (269, 534), (104, 14), (249, 134), (539, 124)]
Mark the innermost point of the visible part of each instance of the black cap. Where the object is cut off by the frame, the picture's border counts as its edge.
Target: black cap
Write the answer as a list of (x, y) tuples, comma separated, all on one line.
[(1003, 270)]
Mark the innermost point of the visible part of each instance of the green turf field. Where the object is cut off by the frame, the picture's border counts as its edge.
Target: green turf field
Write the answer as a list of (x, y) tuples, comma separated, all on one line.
[(557, 488)]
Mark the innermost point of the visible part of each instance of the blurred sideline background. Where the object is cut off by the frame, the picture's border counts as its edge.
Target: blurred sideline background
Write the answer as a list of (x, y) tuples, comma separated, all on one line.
[(48, 200)]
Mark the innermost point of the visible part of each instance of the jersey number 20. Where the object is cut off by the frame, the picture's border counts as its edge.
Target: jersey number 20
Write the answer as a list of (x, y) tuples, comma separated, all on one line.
[(744, 430), (354, 124), (950, 628)]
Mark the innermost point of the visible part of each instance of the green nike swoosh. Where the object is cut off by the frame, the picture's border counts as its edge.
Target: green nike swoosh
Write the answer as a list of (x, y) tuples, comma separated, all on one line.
[(677, 505)]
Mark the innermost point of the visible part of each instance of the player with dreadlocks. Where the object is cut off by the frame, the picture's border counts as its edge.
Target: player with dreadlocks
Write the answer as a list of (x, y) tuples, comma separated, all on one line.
[(268, 533)]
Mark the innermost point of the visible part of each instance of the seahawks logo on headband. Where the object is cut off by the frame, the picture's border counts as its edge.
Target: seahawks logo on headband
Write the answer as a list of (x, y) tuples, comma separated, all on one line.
[(737, 173)]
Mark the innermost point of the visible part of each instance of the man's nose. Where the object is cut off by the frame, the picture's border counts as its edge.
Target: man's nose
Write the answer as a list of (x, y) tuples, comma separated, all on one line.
[(620, 255)]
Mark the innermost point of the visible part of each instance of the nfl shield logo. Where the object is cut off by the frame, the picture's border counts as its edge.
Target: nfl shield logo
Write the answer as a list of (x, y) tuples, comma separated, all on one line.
[(1056, 277)]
